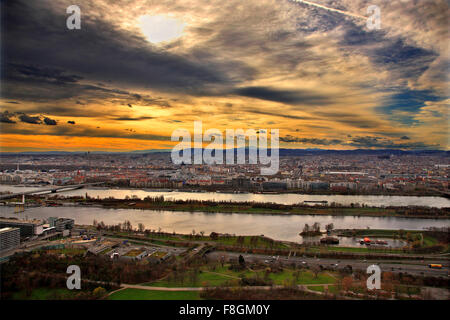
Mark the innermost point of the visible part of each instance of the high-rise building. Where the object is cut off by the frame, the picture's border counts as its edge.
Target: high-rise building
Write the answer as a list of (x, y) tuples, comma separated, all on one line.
[(9, 238)]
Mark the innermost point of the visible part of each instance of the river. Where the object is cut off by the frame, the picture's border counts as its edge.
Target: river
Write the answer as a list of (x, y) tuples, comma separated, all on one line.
[(285, 198), (279, 227)]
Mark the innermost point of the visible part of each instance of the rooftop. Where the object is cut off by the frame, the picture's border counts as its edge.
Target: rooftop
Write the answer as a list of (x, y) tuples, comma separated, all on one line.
[(2, 230)]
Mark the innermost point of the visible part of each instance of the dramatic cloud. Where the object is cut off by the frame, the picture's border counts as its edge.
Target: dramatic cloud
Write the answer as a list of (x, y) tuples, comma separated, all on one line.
[(5, 117), (285, 96), (323, 142), (49, 122), (377, 142), (30, 119), (300, 66)]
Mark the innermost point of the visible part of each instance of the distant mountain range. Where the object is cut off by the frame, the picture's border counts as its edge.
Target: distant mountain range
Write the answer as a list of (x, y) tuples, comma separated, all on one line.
[(282, 152)]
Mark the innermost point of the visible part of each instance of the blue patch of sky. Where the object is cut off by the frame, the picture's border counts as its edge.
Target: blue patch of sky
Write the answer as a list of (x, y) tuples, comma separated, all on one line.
[(409, 101)]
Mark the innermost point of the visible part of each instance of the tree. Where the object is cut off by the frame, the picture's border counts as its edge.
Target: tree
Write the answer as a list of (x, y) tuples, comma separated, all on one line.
[(99, 292), (214, 235), (316, 271), (223, 259), (329, 227), (241, 261), (347, 283), (141, 227), (388, 278), (316, 226)]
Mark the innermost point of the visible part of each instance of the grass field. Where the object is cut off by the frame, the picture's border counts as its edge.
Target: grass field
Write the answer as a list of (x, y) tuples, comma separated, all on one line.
[(305, 277), (224, 276), (139, 294), (204, 279), (316, 288), (159, 254)]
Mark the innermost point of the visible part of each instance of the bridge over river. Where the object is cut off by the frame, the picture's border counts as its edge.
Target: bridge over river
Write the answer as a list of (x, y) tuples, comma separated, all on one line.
[(53, 189)]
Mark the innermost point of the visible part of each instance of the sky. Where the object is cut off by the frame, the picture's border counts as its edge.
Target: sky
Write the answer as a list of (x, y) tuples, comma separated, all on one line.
[(137, 70)]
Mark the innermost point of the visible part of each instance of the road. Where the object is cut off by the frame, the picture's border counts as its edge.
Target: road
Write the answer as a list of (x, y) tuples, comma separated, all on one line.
[(396, 266), (53, 189)]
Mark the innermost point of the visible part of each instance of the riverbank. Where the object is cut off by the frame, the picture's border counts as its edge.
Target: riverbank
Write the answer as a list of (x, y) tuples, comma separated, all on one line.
[(243, 207), (283, 227), (220, 190), (282, 198), (268, 208)]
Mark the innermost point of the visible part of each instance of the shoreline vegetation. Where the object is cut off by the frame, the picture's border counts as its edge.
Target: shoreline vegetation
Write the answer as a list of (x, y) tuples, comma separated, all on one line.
[(433, 240), (160, 203), (204, 189)]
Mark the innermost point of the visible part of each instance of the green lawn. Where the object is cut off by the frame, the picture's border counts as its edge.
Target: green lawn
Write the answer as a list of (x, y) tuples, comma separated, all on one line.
[(224, 276), (316, 288), (204, 279), (305, 277), (139, 294), (331, 289), (238, 274)]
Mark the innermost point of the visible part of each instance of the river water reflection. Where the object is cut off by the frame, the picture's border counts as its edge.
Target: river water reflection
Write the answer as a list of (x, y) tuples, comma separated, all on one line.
[(286, 198), (280, 227)]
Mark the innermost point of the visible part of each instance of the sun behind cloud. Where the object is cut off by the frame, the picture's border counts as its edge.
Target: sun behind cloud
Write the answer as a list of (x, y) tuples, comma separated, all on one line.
[(160, 28)]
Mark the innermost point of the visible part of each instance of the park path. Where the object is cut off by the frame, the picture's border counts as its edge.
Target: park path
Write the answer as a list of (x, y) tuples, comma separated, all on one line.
[(222, 274), (143, 287)]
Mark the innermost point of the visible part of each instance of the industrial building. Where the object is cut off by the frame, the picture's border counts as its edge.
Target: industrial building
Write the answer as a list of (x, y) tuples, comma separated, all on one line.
[(61, 224), (9, 238), (28, 228)]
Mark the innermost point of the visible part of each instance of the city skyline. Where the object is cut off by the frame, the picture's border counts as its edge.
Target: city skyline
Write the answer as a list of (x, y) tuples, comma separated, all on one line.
[(138, 70)]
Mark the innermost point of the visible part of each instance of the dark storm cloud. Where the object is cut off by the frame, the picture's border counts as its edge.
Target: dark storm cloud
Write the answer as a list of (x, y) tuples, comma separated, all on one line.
[(30, 119), (294, 97), (275, 114), (349, 119), (79, 131), (132, 118), (357, 36), (49, 122), (5, 117), (48, 74), (404, 61), (325, 142), (378, 142), (46, 85), (97, 51)]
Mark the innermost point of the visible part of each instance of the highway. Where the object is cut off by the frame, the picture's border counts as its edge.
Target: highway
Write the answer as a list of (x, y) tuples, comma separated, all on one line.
[(412, 267), (48, 190)]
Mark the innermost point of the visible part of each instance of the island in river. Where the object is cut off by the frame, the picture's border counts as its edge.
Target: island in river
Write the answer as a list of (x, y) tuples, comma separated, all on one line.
[(161, 203)]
